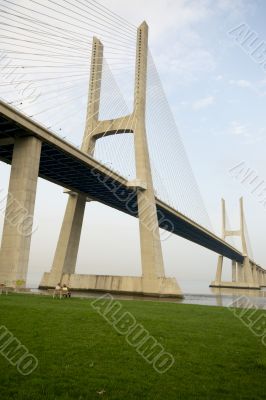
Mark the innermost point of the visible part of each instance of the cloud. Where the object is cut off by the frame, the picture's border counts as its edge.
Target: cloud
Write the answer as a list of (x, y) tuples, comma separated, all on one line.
[(241, 83), (238, 129), (180, 50), (243, 131), (203, 103), (185, 61), (174, 39), (255, 87), (163, 16), (236, 7)]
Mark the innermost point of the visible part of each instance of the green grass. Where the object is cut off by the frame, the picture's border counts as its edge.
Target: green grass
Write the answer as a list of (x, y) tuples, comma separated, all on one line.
[(80, 354)]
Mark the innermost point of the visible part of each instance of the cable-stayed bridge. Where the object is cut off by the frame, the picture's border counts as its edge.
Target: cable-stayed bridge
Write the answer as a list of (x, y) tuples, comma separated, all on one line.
[(155, 182)]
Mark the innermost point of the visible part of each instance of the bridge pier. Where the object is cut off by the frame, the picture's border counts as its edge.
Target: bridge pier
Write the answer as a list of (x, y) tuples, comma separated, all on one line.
[(250, 279), (264, 279), (68, 243), (18, 223), (261, 278), (219, 270), (234, 271), (255, 274), (240, 272), (242, 276)]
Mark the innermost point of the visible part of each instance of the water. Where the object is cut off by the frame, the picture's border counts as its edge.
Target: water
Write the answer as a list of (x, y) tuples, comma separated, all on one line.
[(222, 297), (225, 297), (195, 292)]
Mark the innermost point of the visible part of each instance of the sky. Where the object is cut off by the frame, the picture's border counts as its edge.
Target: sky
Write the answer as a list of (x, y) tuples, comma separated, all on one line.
[(216, 91)]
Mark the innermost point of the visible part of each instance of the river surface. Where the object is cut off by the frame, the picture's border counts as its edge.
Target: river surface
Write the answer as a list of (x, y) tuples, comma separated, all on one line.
[(215, 297)]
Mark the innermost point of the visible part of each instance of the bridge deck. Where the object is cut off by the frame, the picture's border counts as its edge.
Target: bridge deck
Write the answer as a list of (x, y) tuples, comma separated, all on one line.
[(67, 166)]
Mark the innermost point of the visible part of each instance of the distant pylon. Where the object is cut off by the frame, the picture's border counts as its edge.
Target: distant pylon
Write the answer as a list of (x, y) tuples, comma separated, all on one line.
[(243, 273)]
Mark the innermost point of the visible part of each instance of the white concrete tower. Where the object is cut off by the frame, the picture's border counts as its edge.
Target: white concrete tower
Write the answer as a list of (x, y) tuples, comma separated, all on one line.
[(242, 276), (153, 279), (151, 251)]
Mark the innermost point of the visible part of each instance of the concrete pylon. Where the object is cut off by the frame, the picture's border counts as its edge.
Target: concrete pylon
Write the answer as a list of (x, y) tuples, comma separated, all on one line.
[(18, 223), (242, 274), (218, 277), (68, 243), (247, 268), (153, 280), (260, 277), (259, 274), (254, 274), (263, 279), (151, 251), (219, 269), (233, 271)]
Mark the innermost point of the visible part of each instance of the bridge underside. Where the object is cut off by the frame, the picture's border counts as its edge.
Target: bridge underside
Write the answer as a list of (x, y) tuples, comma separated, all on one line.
[(65, 169)]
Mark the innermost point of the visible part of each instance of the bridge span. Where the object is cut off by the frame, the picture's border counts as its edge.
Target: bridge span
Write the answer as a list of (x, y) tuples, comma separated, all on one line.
[(69, 167)]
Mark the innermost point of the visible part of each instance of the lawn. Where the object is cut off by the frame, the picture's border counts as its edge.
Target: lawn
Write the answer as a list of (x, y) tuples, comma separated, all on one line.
[(81, 356)]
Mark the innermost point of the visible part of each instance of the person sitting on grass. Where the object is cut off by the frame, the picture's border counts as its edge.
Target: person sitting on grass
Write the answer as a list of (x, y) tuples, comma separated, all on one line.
[(57, 291), (66, 292)]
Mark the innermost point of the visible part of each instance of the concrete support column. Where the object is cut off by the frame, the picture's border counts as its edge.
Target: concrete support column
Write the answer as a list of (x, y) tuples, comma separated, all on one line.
[(242, 273), (258, 276), (261, 279), (248, 272), (233, 271), (218, 278), (253, 273), (239, 272), (68, 244), (17, 231)]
